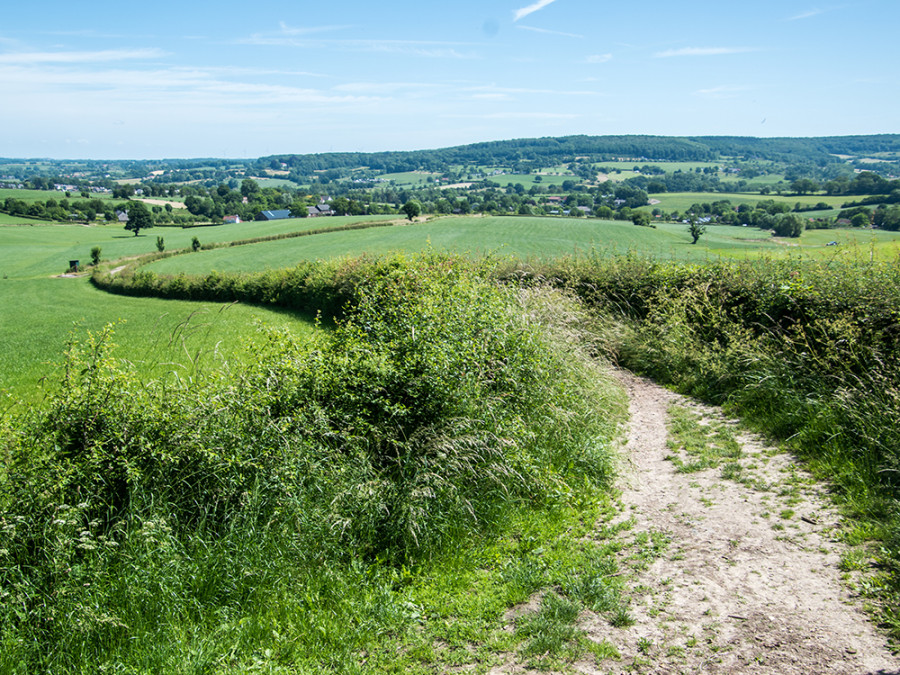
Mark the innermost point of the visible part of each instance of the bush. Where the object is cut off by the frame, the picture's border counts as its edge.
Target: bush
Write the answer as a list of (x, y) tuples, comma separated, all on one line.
[(133, 513)]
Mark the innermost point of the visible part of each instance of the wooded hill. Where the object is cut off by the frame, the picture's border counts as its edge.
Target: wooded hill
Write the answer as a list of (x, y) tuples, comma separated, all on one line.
[(821, 151)]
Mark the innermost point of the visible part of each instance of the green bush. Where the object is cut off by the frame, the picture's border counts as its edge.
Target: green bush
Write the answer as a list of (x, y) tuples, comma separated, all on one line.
[(136, 518)]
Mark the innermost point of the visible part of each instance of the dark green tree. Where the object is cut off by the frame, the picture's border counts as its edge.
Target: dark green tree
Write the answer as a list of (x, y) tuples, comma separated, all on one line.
[(640, 218), (139, 218), (249, 187), (788, 225), (95, 256), (412, 209)]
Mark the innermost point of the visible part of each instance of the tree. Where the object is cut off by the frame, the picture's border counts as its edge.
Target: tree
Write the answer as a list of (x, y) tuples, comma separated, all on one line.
[(640, 218), (788, 225), (803, 186), (696, 230), (249, 187), (412, 209), (95, 256), (139, 218), (160, 244), (195, 244)]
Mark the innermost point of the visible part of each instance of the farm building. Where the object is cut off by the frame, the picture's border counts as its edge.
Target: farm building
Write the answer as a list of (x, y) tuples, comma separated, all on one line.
[(231, 219), (279, 214), (320, 210)]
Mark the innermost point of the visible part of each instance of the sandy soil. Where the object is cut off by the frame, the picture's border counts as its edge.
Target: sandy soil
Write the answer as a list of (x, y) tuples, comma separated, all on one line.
[(749, 582)]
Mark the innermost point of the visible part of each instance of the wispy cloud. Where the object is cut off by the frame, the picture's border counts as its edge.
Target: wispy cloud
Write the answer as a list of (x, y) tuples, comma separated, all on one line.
[(805, 15), (492, 89), (34, 58), (385, 88), (162, 87), (599, 58), (308, 30), (418, 48), (722, 91), (551, 32), (530, 9), (517, 115), (703, 51)]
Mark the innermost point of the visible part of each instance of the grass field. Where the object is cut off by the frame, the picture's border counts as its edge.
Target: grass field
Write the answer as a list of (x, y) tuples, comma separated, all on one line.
[(47, 309), (39, 311), (679, 201), (6, 219), (529, 179), (505, 236), (31, 196)]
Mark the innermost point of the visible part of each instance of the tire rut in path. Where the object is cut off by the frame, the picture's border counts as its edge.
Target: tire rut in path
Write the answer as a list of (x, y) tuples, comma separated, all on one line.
[(744, 586)]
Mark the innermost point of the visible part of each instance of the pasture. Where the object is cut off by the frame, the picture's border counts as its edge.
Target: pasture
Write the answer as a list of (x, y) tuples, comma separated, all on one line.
[(40, 311), (680, 201), (523, 237)]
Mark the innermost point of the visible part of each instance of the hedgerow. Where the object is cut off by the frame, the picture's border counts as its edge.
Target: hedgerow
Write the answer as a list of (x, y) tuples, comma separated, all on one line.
[(136, 518)]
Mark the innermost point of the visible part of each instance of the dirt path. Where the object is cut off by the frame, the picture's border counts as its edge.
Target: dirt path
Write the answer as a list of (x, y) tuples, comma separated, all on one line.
[(749, 581)]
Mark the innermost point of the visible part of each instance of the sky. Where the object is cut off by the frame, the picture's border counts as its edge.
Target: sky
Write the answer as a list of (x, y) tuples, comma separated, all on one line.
[(113, 80)]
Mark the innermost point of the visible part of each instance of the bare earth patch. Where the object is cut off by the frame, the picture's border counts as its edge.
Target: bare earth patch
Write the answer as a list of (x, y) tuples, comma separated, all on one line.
[(749, 582)]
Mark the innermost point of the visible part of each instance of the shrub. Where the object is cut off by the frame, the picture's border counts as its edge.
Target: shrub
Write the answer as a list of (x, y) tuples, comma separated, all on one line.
[(133, 513)]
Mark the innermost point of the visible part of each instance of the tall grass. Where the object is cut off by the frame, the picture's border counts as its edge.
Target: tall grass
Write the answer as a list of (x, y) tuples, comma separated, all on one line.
[(263, 515)]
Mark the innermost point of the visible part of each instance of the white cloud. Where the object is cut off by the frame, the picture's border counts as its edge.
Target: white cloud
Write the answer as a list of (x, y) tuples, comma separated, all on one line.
[(599, 58), (530, 9), (703, 51), (551, 32), (34, 58)]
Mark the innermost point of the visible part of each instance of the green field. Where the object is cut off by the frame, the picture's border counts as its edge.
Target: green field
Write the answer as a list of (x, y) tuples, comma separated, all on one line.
[(37, 303), (39, 310), (407, 178), (527, 237), (6, 219), (679, 201), (31, 196)]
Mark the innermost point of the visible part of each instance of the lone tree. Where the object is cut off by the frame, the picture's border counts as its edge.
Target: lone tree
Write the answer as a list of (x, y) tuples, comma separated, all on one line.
[(696, 230), (412, 208), (139, 218)]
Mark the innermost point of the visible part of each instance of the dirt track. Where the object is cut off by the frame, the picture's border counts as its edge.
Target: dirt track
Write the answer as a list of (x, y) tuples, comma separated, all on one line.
[(746, 585)]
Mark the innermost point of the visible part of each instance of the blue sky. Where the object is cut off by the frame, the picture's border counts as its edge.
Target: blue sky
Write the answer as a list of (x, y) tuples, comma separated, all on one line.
[(109, 80)]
